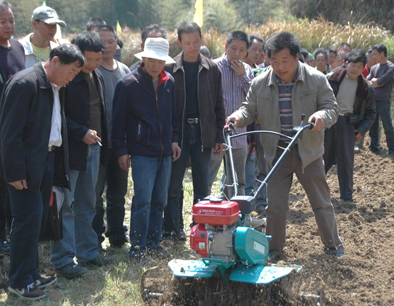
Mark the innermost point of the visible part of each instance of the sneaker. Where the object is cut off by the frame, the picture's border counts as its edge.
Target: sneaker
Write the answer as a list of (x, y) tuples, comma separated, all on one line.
[(44, 282), (255, 222), (158, 252), (71, 270), (98, 261), (139, 255), (30, 292), (4, 246)]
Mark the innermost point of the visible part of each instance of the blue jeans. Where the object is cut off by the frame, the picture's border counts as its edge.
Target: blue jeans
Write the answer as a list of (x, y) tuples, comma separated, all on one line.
[(29, 210), (116, 180), (383, 109), (200, 159), (151, 177), (78, 211)]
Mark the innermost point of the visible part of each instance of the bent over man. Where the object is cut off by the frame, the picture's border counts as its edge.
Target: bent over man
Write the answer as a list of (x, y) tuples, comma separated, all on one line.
[(31, 125)]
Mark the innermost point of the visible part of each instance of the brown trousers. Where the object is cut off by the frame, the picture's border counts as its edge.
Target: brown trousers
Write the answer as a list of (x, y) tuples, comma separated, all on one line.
[(313, 180)]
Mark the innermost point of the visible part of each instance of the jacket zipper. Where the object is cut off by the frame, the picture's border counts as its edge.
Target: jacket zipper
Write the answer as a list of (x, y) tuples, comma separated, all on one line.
[(160, 127)]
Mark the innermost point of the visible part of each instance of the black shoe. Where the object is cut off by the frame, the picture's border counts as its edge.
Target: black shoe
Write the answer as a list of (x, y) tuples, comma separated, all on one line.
[(44, 282), (139, 255), (182, 236), (30, 292), (158, 252), (99, 261), (275, 256), (4, 246), (71, 270), (339, 252)]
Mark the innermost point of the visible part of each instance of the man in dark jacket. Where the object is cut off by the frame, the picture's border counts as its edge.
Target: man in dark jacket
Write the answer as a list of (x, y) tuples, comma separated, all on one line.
[(144, 133), (200, 117), (30, 125), (87, 128), (356, 102)]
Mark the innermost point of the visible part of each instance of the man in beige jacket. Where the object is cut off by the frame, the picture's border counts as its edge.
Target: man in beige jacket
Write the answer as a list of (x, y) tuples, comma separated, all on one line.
[(278, 99)]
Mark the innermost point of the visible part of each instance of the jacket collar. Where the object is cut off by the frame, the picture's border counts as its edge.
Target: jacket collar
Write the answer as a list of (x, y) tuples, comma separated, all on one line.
[(300, 75), (43, 81), (179, 62), (163, 77), (81, 76), (362, 85)]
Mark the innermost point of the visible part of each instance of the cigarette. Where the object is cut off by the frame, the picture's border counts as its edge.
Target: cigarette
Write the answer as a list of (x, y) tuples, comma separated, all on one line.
[(99, 143)]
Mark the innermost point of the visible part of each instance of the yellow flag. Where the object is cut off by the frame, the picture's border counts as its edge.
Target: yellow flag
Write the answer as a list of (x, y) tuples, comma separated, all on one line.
[(118, 28), (199, 15)]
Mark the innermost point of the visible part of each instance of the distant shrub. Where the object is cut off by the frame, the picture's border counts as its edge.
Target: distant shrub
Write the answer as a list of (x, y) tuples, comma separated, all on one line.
[(312, 34)]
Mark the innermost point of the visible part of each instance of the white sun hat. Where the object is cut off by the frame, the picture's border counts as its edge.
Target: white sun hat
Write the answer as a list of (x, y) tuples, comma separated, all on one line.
[(156, 48)]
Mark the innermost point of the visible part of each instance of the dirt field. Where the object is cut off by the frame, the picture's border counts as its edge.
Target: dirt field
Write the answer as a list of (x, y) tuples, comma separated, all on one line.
[(364, 276)]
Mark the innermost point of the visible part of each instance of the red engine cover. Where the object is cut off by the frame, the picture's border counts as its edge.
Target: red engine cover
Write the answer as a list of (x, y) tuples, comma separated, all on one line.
[(198, 240), (216, 214)]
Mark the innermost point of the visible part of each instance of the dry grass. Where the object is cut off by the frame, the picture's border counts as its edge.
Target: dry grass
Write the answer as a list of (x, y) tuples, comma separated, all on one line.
[(312, 34)]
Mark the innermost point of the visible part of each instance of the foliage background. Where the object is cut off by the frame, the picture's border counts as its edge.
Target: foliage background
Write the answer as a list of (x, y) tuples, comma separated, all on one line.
[(223, 15)]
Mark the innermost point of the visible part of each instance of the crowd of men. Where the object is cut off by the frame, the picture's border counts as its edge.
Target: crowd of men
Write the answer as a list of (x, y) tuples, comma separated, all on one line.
[(74, 119)]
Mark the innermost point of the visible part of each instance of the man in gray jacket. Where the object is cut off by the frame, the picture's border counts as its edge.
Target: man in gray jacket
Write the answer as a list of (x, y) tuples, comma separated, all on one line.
[(278, 99)]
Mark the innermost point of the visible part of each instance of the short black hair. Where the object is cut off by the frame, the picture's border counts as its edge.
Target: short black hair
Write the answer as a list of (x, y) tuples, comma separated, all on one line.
[(320, 51), (105, 28), (88, 41), (380, 48), (155, 28), (255, 37), (304, 52), (68, 54), (283, 40), (188, 27), (205, 51), (94, 22), (344, 44), (331, 49), (238, 35), (356, 56), (4, 5)]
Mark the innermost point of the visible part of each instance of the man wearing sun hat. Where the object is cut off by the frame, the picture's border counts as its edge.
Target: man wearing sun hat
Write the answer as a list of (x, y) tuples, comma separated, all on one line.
[(39, 43), (144, 135)]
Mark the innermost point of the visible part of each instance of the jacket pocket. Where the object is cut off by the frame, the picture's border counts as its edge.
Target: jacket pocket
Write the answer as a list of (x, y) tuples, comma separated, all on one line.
[(143, 132)]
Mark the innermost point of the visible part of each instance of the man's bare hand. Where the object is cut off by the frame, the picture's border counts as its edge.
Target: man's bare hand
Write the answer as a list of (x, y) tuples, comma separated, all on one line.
[(22, 184), (124, 162), (176, 151), (218, 149), (238, 67), (91, 137), (234, 119), (357, 136), (318, 122)]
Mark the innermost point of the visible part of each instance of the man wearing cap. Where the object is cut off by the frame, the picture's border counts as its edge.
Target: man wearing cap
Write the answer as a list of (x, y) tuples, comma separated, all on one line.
[(39, 43), (144, 134)]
